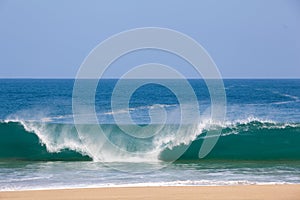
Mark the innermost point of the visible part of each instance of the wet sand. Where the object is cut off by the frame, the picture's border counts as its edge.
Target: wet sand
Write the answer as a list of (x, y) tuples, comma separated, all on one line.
[(266, 192)]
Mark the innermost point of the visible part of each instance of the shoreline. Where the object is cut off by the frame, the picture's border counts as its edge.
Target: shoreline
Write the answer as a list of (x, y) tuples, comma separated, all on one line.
[(238, 192), (144, 186)]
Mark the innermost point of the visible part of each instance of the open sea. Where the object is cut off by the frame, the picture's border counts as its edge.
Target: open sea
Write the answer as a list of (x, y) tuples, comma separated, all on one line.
[(42, 148)]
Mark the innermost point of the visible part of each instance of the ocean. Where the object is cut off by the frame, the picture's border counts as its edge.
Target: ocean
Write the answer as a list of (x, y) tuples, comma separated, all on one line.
[(42, 148)]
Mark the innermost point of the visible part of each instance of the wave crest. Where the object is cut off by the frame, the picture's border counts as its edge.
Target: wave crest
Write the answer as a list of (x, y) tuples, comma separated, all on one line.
[(250, 139)]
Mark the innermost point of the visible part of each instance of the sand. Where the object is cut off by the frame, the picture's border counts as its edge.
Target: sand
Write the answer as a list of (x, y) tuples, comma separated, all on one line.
[(266, 192)]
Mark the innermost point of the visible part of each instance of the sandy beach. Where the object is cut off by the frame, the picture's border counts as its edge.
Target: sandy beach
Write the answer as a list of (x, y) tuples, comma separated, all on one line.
[(272, 192)]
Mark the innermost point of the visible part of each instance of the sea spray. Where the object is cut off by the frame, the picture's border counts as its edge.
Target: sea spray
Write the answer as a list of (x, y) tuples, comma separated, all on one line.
[(243, 140)]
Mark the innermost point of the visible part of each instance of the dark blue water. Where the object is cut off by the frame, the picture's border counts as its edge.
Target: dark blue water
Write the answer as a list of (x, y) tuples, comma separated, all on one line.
[(35, 98)]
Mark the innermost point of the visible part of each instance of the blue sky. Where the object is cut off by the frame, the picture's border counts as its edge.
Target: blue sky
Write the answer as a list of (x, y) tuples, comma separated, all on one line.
[(51, 38)]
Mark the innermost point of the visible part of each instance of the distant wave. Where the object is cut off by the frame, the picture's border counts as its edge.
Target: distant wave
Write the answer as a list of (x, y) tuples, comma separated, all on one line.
[(251, 139)]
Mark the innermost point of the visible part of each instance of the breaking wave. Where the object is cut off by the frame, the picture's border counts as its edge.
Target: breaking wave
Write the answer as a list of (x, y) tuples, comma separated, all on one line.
[(252, 139)]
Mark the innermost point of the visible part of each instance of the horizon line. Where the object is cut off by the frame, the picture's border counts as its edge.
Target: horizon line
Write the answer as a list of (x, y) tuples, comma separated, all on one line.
[(73, 78)]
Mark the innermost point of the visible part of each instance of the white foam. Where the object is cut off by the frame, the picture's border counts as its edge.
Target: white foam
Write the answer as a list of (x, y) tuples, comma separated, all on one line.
[(57, 137), (145, 184)]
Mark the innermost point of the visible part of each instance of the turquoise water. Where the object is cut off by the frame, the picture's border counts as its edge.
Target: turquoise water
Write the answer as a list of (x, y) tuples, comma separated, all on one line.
[(40, 146)]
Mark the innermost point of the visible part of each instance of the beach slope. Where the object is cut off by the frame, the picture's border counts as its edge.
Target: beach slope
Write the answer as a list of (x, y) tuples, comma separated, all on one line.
[(266, 192)]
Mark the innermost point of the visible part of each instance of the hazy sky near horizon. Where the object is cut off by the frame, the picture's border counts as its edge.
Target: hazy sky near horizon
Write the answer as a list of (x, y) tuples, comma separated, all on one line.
[(51, 38)]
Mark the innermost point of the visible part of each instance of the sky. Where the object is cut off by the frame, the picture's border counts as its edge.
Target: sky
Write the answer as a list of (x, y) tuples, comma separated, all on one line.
[(246, 39)]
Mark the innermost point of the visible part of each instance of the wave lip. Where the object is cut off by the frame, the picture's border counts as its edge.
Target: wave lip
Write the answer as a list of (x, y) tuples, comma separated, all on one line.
[(250, 139), (253, 140), (18, 142)]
